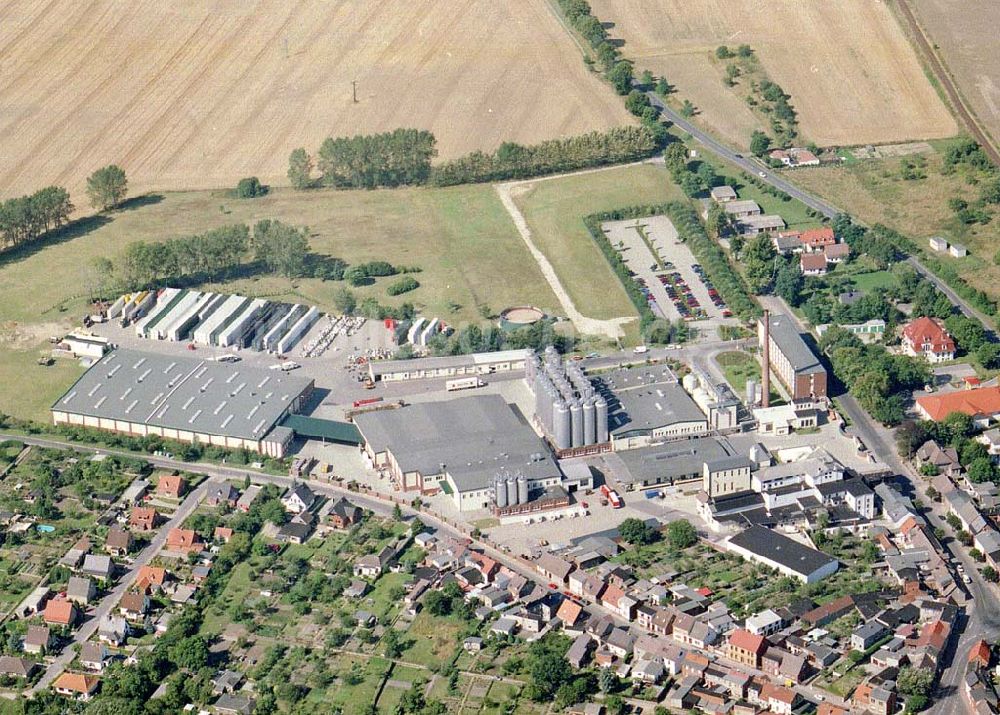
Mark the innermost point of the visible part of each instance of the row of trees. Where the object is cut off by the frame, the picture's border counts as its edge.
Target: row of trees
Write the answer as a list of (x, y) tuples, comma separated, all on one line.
[(366, 161), (514, 161), (216, 254), (28, 218)]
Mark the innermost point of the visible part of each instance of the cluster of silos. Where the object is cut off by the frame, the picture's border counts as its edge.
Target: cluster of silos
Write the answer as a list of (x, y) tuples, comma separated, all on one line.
[(567, 407), (509, 489)]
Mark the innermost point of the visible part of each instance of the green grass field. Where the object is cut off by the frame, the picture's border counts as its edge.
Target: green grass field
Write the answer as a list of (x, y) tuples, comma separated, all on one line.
[(555, 209), (738, 367)]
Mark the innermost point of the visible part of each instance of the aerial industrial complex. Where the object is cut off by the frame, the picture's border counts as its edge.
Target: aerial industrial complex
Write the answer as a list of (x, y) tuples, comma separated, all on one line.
[(186, 399)]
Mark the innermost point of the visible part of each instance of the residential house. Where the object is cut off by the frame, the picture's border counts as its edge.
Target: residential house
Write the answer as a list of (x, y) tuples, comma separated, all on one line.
[(579, 651), (961, 505), (812, 264), (817, 239), (736, 210), (586, 585), (569, 612), (874, 699), (171, 486), (226, 681), (233, 704), (344, 514), (794, 157), (99, 566), (982, 404), (134, 606), (689, 631), (183, 540), (837, 253), (118, 541), (150, 579), (37, 640), (94, 656), (867, 634), (222, 534), (143, 518), (618, 602), (17, 667), (248, 497), (224, 493), (945, 460), (746, 648), (298, 498), (59, 612), (765, 623), (298, 529), (779, 699), (80, 590), (372, 565), (76, 685), (112, 630), (553, 568), (620, 642), (926, 337)]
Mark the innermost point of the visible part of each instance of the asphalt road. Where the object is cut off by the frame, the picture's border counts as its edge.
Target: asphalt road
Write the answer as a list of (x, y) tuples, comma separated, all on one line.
[(110, 601)]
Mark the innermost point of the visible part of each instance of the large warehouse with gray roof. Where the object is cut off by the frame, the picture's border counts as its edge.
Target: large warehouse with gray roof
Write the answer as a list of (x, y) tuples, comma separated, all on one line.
[(185, 399), (458, 446)]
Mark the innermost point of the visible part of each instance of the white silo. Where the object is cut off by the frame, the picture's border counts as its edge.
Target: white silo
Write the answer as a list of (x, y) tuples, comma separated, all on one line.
[(589, 422), (500, 492), (562, 428), (689, 382), (522, 490), (576, 420), (511, 486), (601, 417)]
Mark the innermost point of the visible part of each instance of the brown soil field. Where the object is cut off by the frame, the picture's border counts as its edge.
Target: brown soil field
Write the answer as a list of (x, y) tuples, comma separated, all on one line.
[(197, 95), (847, 65), (965, 35)]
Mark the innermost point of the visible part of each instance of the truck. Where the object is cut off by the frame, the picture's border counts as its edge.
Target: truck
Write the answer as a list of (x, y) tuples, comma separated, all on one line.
[(640, 349), (463, 383), (612, 496), (367, 401)]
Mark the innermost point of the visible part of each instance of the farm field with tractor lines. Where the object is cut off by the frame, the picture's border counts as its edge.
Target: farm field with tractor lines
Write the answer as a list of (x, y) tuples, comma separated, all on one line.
[(189, 96)]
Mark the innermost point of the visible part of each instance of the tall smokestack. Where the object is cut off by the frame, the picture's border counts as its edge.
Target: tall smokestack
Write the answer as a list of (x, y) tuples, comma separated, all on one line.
[(765, 398)]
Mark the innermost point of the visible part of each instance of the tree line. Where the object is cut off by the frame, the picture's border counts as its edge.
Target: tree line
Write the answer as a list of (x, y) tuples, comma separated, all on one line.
[(28, 218), (404, 157), (514, 161), (216, 254)]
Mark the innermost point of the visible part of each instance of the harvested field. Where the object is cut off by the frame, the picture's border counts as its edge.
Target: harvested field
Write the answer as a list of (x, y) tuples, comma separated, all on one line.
[(196, 95), (848, 67), (965, 36)]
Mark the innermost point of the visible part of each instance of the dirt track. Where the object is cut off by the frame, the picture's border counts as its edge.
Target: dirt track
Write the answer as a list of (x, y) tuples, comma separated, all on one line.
[(197, 95)]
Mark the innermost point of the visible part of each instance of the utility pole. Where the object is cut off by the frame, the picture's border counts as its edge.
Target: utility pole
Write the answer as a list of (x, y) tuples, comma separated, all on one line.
[(354, 88)]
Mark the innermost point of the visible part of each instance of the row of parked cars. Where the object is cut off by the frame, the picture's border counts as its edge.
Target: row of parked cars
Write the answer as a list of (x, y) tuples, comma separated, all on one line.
[(712, 292)]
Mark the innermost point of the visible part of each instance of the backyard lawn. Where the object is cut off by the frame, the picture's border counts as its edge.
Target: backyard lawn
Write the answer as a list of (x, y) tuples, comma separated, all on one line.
[(738, 367)]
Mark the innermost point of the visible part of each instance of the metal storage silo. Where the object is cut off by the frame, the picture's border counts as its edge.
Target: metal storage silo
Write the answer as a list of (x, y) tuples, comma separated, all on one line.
[(751, 392), (589, 422), (562, 431), (522, 490), (689, 382), (500, 492), (601, 418), (511, 486), (576, 420)]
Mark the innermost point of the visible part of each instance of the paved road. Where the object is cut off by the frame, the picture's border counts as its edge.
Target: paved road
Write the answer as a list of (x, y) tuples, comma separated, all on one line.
[(967, 309), (110, 601)]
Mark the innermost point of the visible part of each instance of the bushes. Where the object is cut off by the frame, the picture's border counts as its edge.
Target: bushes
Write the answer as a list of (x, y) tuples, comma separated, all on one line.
[(515, 161), (403, 285), (250, 188)]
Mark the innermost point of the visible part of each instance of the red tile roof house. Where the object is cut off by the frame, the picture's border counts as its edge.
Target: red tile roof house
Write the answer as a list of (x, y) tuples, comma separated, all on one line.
[(927, 338), (171, 485), (143, 518), (812, 264), (76, 685), (59, 613), (781, 700), (183, 540), (816, 239), (981, 404), (616, 601), (150, 578), (745, 648)]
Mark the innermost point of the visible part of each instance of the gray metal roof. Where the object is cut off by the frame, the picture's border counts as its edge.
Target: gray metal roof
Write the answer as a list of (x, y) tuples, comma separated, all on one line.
[(673, 460), (383, 367), (780, 549), (470, 438), (646, 407), (786, 336), (184, 393)]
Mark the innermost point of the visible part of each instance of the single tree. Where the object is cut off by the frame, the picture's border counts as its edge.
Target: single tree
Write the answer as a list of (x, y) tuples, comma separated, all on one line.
[(681, 534), (107, 187), (300, 167), (759, 143)]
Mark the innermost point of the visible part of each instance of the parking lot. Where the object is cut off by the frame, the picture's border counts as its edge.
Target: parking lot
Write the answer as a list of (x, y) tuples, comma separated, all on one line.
[(666, 270)]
